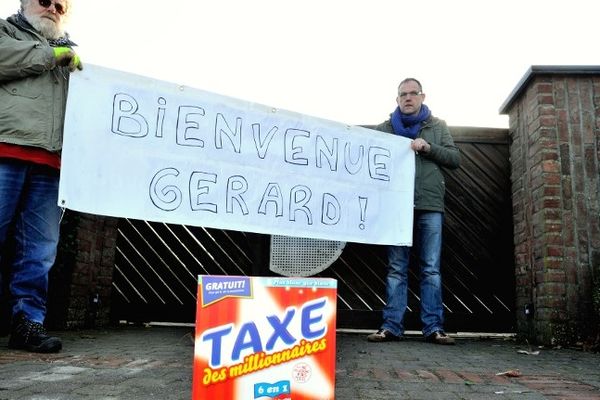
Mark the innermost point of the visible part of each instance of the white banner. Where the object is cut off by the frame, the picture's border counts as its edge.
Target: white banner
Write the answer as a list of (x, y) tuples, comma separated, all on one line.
[(141, 148)]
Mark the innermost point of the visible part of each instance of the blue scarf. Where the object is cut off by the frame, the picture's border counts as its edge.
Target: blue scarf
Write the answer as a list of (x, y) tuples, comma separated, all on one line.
[(409, 125)]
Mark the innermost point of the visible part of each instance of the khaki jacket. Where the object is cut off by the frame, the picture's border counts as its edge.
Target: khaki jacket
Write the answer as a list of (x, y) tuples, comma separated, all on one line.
[(33, 90)]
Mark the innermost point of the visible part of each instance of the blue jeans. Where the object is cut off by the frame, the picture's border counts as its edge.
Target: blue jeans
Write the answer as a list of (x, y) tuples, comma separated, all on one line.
[(427, 239), (29, 211)]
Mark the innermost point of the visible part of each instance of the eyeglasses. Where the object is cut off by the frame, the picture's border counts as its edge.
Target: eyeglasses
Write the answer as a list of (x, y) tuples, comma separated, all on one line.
[(60, 9), (404, 94)]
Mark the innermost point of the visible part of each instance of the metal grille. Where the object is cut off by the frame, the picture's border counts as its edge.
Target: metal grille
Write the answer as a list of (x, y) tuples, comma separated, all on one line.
[(157, 265), (294, 256)]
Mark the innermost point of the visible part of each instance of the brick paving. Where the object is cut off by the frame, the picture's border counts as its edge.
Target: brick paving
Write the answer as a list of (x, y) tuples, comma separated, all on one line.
[(132, 363)]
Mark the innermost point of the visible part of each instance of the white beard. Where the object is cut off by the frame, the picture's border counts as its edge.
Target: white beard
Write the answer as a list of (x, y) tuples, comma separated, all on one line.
[(48, 28)]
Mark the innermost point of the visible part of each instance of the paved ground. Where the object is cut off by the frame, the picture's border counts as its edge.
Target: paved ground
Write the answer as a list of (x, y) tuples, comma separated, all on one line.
[(131, 363)]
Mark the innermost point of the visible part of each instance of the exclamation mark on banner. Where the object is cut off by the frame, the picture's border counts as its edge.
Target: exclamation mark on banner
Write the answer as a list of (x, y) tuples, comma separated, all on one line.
[(363, 211)]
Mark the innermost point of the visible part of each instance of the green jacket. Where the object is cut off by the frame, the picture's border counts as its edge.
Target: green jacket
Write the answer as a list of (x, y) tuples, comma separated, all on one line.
[(33, 90), (430, 187)]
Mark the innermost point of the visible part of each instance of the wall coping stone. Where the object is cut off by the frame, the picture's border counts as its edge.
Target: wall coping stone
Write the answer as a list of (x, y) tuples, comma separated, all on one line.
[(535, 70)]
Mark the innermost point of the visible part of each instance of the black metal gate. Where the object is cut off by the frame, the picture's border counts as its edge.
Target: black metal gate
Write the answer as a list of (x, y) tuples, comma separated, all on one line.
[(157, 264)]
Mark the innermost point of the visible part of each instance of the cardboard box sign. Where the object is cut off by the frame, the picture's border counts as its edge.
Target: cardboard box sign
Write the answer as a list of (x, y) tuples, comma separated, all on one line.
[(264, 338)]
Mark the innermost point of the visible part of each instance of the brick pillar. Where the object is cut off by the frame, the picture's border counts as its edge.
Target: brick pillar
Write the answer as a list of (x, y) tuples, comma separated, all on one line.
[(81, 279), (554, 116)]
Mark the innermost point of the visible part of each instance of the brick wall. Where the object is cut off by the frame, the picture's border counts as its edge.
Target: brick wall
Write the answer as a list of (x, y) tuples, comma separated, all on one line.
[(81, 279), (554, 119)]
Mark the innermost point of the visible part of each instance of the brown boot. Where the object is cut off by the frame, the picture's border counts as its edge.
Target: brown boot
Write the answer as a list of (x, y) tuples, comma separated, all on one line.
[(383, 335), (439, 337)]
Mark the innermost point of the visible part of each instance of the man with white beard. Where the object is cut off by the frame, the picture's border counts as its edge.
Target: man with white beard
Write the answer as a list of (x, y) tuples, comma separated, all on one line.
[(36, 58)]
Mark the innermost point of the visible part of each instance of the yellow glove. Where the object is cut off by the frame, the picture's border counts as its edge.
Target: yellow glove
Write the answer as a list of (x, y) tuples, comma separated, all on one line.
[(66, 57)]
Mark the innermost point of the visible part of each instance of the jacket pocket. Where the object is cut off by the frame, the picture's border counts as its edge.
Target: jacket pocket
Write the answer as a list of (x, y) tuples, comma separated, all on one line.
[(24, 113), (430, 187), (21, 88)]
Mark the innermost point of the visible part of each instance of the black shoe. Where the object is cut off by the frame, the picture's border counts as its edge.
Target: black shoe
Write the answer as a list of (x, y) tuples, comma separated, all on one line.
[(439, 337), (31, 336), (383, 335)]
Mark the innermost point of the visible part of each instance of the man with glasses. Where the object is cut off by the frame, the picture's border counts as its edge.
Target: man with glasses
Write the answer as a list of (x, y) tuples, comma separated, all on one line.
[(36, 58), (434, 148)]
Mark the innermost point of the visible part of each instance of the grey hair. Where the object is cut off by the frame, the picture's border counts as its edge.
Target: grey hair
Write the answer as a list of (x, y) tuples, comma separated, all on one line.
[(25, 3), (411, 80)]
